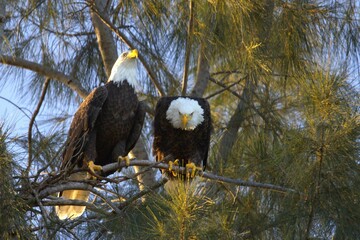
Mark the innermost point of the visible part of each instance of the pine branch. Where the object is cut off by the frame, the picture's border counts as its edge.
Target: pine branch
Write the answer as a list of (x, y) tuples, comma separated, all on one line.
[(41, 195), (113, 167), (45, 71)]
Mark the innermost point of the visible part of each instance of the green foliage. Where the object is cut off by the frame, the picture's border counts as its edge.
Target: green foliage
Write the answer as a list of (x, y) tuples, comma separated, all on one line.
[(12, 208)]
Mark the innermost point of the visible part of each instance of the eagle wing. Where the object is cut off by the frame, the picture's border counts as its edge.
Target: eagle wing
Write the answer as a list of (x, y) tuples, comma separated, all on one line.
[(82, 126), (136, 129), (160, 126), (205, 132)]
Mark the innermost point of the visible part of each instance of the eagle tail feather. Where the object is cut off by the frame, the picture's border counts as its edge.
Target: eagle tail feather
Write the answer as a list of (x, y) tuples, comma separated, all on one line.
[(73, 211)]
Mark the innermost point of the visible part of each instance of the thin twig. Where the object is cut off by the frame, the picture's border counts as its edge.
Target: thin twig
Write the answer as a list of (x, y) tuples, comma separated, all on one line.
[(111, 205), (223, 89), (224, 86), (32, 120), (21, 109)]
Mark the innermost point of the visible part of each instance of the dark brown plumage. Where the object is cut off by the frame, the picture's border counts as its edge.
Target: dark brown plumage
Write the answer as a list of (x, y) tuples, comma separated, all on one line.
[(185, 143), (105, 127)]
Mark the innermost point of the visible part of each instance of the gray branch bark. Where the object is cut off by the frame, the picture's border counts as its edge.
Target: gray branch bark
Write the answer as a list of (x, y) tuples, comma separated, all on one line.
[(45, 71), (47, 191)]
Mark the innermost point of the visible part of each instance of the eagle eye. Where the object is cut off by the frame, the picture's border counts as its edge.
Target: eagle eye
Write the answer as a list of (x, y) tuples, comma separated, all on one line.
[(191, 114), (124, 54)]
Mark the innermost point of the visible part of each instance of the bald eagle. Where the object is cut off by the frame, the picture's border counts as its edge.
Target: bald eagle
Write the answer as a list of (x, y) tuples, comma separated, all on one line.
[(105, 127), (182, 127)]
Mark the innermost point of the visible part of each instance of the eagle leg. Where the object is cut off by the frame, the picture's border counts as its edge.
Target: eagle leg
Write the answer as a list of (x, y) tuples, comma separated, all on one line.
[(193, 168), (171, 164)]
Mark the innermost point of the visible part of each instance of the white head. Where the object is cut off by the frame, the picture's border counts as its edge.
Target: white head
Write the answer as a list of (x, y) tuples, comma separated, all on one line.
[(185, 113), (125, 68)]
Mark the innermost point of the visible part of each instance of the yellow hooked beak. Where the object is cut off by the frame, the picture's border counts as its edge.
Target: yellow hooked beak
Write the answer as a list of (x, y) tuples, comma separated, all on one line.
[(185, 119), (133, 53)]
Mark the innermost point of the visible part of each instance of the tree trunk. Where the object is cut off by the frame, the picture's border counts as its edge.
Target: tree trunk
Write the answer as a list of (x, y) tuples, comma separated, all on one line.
[(202, 74), (107, 45), (147, 178), (229, 138), (2, 23)]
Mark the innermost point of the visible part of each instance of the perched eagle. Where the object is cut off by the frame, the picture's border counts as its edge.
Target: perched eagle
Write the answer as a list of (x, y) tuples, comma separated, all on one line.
[(182, 127), (105, 127)]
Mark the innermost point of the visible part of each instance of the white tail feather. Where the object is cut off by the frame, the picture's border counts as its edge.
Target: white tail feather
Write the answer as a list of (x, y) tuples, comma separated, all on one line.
[(72, 211)]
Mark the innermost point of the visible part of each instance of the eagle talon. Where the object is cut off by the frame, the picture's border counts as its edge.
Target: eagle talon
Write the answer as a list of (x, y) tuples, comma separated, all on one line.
[(171, 164), (126, 159), (92, 167), (193, 168)]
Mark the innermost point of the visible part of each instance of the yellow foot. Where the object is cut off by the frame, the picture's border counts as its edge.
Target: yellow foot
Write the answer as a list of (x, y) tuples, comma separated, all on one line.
[(171, 164), (193, 168), (126, 159), (92, 167)]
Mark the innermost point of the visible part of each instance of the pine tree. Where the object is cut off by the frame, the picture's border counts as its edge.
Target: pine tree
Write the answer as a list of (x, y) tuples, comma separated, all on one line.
[(282, 81)]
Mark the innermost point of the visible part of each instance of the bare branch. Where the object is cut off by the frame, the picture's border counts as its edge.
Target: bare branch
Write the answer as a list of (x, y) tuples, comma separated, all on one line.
[(114, 166), (224, 86), (110, 168), (108, 202), (64, 186), (223, 89), (60, 202), (31, 124), (45, 71)]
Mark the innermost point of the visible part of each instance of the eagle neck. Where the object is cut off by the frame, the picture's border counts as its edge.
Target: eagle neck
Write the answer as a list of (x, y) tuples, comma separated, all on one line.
[(125, 72)]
